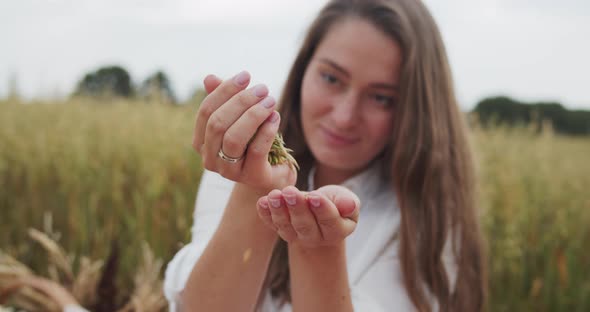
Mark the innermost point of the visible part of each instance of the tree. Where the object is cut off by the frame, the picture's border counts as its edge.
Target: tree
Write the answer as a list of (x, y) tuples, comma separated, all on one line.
[(157, 87), (106, 81), (511, 112), (502, 109)]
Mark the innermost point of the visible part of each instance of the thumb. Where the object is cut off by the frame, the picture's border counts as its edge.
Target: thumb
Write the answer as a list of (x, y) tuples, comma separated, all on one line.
[(211, 83), (347, 202)]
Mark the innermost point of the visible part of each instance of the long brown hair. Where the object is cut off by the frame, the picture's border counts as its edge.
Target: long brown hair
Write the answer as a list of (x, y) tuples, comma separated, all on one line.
[(429, 159)]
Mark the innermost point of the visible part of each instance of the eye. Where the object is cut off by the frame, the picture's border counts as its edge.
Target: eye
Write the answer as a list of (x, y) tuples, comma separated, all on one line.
[(383, 100), (329, 78)]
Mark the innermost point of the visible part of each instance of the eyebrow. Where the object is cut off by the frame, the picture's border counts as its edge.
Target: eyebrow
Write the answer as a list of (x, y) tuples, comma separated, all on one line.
[(341, 69)]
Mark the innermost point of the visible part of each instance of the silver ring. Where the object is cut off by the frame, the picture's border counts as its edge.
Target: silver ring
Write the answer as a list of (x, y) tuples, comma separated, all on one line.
[(229, 159)]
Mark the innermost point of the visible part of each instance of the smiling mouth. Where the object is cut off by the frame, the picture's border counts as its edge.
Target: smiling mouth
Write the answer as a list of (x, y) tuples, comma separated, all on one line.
[(338, 139)]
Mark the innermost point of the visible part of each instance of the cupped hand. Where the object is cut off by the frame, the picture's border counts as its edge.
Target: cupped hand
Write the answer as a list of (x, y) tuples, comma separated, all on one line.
[(323, 217), (242, 123)]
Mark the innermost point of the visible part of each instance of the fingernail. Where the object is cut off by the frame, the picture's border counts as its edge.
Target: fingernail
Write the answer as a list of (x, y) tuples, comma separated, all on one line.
[(290, 199), (273, 117), (276, 203), (241, 79), (268, 102), (314, 200), (264, 205), (211, 76), (260, 90)]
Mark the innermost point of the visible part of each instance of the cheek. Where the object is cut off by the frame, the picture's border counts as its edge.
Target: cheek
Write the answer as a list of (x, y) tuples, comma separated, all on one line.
[(380, 128), (305, 95), (313, 101), (307, 107)]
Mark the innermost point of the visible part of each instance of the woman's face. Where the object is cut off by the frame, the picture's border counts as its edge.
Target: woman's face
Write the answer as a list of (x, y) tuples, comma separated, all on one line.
[(348, 96)]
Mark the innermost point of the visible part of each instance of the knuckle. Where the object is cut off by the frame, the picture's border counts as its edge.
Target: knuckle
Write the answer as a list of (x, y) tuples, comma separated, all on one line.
[(244, 99), (228, 89), (258, 113), (232, 142), (267, 132), (216, 123), (206, 108), (257, 150)]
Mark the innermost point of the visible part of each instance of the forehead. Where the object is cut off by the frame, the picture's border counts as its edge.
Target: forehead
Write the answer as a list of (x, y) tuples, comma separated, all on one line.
[(362, 49)]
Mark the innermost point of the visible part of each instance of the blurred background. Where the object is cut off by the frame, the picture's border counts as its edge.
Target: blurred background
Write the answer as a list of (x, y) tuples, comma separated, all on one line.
[(97, 106)]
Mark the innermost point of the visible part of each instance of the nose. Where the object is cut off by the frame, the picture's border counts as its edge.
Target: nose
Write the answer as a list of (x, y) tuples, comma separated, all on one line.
[(345, 111)]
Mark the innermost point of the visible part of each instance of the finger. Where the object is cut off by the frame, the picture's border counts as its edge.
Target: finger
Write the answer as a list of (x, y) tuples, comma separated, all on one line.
[(226, 90), (302, 219), (348, 207), (236, 138), (280, 216), (347, 202), (264, 212), (211, 83), (332, 226), (225, 116), (259, 146)]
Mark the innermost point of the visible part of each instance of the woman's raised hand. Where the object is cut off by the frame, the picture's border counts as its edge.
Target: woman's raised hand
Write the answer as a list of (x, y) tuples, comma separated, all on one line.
[(320, 218), (234, 131)]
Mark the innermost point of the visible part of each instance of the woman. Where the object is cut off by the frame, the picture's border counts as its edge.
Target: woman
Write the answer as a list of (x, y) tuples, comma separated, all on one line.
[(389, 222)]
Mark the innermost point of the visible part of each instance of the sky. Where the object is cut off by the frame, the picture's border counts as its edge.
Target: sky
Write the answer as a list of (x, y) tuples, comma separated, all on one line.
[(531, 50)]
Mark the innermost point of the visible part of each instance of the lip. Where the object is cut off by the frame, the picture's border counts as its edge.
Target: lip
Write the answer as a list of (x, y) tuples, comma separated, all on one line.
[(338, 139)]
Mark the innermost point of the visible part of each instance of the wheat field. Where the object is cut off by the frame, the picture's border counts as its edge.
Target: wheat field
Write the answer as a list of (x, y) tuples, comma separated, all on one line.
[(96, 175)]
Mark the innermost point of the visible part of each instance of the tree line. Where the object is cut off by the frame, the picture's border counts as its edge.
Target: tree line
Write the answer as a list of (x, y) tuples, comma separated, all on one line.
[(116, 81), (504, 110)]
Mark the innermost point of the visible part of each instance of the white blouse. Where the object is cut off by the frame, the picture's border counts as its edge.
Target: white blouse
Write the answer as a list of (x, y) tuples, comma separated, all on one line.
[(374, 268)]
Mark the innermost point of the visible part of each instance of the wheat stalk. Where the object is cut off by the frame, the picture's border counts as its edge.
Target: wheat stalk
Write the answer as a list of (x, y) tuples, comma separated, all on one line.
[(148, 293), (280, 154), (11, 273), (11, 268), (57, 255), (85, 283)]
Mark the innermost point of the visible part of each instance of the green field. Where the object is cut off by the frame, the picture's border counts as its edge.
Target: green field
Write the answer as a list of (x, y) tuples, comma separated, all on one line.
[(98, 174)]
